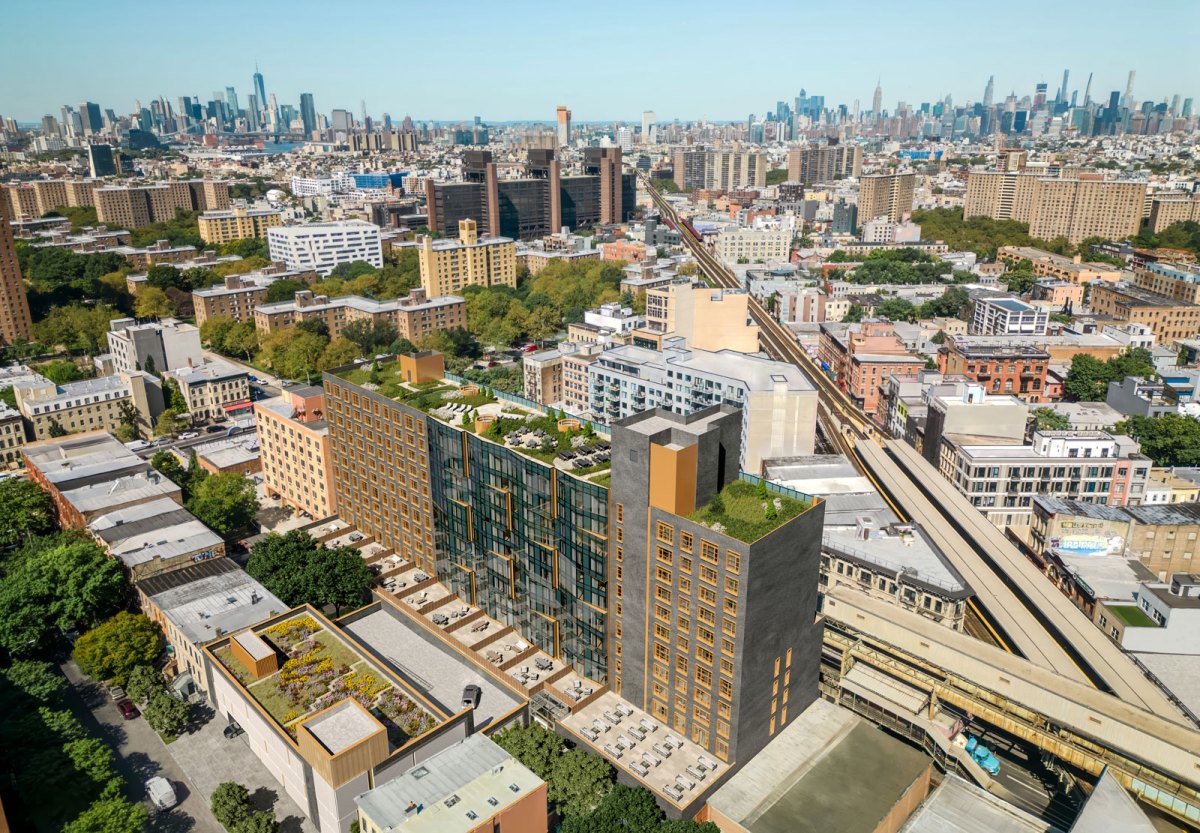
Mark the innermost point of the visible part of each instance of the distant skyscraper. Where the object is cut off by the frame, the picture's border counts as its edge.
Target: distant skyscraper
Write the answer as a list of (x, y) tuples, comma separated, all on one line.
[(1087, 91), (1187, 108), (1128, 99), (877, 101), (649, 127), (989, 91), (252, 111), (89, 113), (308, 114), (231, 100), (1064, 93), (564, 126), (102, 160), (1039, 96), (1175, 104), (260, 88)]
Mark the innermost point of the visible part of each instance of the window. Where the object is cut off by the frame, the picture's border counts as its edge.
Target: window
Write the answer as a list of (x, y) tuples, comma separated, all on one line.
[(708, 574), (733, 562), (664, 555), (662, 594), (685, 541), (731, 586), (703, 676), (661, 652), (681, 666), (620, 513), (662, 574), (726, 667), (708, 551), (704, 635), (729, 626), (665, 533), (685, 563), (731, 606)]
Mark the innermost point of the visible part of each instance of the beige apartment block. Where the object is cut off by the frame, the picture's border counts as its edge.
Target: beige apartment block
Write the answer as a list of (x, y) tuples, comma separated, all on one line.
[(1168, 211), (885, 195), (414, 316), (51, 194), (293, 436), (707, 318), (824, 163), (15, 322), (225, 226), (449, 265), (134, 207), (1072, 208)]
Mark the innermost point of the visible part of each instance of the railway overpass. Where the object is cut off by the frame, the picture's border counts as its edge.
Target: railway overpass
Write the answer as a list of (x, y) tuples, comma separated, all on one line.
[(1027, 615)]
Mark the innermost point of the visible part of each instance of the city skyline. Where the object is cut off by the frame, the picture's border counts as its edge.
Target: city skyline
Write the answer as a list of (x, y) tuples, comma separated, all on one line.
[(528, 87)]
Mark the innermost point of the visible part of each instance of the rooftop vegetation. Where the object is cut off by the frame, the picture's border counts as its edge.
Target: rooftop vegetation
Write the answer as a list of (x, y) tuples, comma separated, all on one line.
[(748, 512)]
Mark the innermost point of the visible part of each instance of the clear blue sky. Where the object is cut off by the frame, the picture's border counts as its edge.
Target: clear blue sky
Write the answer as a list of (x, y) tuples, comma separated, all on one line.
[(518, 60)]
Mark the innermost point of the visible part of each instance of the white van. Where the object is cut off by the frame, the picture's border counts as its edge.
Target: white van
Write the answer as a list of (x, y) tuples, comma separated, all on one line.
[(161, 793)]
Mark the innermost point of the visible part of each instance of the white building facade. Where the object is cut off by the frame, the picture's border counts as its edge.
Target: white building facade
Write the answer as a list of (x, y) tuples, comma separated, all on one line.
[(320, 247)]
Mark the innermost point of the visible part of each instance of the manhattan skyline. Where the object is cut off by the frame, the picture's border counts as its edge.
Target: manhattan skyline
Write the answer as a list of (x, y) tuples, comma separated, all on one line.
[(680, 65)]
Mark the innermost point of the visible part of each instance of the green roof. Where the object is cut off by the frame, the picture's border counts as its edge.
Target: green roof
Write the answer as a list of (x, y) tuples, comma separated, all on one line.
[(1131, 616), (742, 513)]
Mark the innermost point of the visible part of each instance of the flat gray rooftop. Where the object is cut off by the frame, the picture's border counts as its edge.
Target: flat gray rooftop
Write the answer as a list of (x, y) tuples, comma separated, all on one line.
[(432, 669), (342, 726), (960, 807)]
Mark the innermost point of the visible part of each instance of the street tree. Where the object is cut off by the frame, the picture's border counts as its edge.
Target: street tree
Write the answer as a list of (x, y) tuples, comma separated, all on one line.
[(110, 815), (115, 647), (230, 804), (226, 502), (26, 511), (166, 713), (144, 681)]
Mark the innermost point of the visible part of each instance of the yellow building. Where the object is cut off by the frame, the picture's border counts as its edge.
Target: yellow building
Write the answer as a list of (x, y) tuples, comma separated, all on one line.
[(237, 224), (449, 265), (708, 319), (294, 447)]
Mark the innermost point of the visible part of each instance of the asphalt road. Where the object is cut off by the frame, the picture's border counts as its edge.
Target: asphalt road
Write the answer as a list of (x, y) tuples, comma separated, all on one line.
[(141, 755)]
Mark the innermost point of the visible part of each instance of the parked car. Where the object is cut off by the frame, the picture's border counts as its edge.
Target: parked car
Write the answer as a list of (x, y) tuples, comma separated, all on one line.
[(189, 435), (214, 429), (116, 692), (471, 695), (161, 793), (233, 730), (127, 709), (137, 445)]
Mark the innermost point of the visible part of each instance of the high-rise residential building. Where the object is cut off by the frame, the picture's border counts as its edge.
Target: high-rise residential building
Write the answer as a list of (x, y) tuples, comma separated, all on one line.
[(319, 247), (563, 125), (308, 114), (237, 224), (1166, 211), (777, 404), (293, 436), (824, 163), (541, 203), (690, 168), (649, 127), (697, 640), (134, 207), (15, 323), (447, 266), (1072, 208), (728, 169), (885, 195)]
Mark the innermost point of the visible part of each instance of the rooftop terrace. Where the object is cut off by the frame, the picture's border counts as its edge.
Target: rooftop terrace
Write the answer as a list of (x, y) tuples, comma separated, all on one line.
[(322, 669), (566, 444), (743, 512)]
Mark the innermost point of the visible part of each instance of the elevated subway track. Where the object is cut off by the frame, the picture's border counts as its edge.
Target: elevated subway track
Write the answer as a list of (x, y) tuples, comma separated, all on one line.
[(1052, 627), (1026, 614)]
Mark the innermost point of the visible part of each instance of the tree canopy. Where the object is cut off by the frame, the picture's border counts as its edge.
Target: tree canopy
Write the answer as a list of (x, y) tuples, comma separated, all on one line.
[(226, 502), (298, 570), (57, 582), (1088, 377), (114, 648), (25, 511), (1168, 440)]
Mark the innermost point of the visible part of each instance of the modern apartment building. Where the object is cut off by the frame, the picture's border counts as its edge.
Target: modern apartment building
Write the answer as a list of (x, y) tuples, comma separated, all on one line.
[(706, 318), (15, 323), (319, 247), (697, 638), (1003, 481), (778, 404), (1072, 208), (88, 405), (957, 413), (137, 206), (474, 786), (447, 266), (518, 537), (824, 163), (155, 346), (541, 203), (1014, 367), (231, 224), (885, 195), (237, 297), (212, 389), (754, 245), (293, 437), (414, 316), (1168, 317), (1005, 315)]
